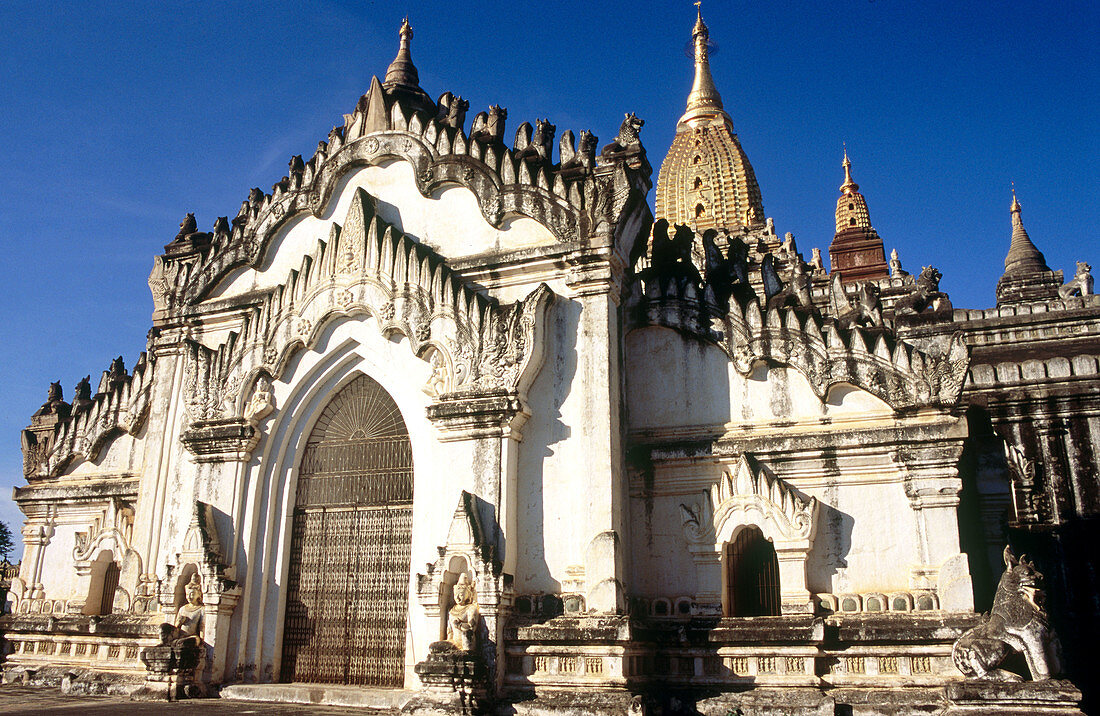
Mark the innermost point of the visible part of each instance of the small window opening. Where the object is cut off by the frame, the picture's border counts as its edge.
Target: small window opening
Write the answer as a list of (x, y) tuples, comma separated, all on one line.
[(696, 159), (699, 210), (851, 207), (698, 182), (752, 575), (852, 221)]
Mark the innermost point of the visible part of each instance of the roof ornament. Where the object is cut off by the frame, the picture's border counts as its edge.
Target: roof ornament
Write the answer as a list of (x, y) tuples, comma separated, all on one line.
[(849, 186), (704, 95), (402, 71), (1023, 256)]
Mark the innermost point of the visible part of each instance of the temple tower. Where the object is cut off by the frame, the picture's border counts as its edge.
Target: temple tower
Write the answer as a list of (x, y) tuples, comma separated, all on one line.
[(856, 251), (706, 181), (1027, 276)]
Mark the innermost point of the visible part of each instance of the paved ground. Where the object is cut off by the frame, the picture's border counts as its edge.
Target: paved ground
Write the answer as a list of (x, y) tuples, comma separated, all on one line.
[(19, 700)]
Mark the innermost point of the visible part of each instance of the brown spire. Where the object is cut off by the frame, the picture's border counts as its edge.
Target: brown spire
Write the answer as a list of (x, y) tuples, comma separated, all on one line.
[(402, 71), (1023, 256)]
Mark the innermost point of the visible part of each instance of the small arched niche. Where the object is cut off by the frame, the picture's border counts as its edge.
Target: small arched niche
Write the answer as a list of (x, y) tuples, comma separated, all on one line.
[(104, 576)]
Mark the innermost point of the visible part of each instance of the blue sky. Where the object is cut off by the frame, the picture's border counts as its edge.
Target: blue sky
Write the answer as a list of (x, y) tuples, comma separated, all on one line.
[(117, 118)]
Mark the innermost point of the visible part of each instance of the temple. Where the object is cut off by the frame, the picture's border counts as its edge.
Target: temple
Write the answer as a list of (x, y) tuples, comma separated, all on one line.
[(463, 426)]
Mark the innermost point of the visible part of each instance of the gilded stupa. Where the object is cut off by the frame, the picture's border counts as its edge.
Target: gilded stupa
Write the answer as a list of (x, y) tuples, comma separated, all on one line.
[(706, 181)]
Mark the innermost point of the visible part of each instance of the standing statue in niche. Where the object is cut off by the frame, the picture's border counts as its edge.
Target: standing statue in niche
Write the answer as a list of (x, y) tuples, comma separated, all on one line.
[(464, 617)]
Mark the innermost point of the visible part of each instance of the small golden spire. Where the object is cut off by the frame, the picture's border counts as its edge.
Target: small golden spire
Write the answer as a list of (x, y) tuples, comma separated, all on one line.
[(1015, 208), (849, 186)]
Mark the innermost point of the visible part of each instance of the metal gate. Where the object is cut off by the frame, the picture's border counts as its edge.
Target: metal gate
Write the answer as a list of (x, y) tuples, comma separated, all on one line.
[(752, 575), (347, 600)]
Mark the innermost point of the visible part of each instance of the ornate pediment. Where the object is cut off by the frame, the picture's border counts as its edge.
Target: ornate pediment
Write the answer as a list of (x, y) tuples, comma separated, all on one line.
[(746, 495), (367, 267)]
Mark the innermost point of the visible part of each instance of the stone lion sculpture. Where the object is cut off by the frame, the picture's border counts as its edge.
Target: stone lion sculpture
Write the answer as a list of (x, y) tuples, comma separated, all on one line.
[(1080, 284), (926, 292), (627, 142), (1017, 622)]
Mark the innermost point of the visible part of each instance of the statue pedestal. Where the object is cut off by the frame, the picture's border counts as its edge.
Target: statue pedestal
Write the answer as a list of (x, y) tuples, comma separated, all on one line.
[(1023, 698), (453, 681), (173, 671)]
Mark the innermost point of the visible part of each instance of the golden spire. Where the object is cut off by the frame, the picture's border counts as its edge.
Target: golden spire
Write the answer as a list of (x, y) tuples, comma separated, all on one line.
[(703, 100), (849, 186)]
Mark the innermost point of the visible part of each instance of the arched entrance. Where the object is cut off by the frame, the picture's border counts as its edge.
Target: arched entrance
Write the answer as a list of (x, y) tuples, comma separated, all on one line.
[(752, 575), (347, 588)]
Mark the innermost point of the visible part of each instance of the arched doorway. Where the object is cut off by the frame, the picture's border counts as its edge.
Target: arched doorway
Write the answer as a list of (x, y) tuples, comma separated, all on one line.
[(752, 575), (347, 589)]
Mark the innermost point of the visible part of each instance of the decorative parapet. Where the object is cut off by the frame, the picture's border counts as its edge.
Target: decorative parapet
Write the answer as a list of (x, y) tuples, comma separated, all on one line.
[(473, 343), (748, 496), (873, 359), (58, 433), (576, 198)]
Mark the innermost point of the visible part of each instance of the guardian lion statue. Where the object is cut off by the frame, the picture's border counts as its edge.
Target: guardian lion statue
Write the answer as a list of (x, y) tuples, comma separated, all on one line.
[(1017, 622), (925, 293), (1080, 284)]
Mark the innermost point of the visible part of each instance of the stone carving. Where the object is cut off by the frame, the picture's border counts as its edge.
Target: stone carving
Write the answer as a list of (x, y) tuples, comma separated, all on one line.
[(626, 144), (579, 162), (826, 351), (262, 401), (540, 145), (1016, 623), (671, 257), (187, 227), (188, 624), (1029, 500), (572, 204), (896, 271), (464, 617), (745, 495), (452, 110), (55, 403), (488, 128), (796, 294), (1080, 284), (488, 346), (82, 395), (864, 311), (816, 260), (925, 294)]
